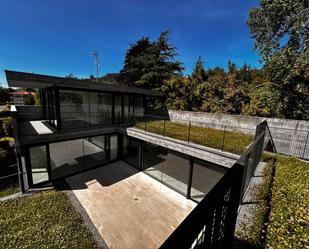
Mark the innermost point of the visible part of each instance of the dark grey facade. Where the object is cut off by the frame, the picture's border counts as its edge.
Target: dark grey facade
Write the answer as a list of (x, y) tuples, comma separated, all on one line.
[(77, 127)]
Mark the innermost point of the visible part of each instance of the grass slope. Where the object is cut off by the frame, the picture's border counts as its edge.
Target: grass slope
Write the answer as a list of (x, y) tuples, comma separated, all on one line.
[(44, 220), (235, 142), (289, 216)]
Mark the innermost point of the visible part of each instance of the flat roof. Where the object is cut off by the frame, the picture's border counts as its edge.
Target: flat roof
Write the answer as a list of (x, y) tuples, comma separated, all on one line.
[(40, 81)]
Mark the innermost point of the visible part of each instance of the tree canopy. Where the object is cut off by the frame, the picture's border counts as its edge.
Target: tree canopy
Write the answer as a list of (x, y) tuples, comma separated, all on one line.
[(148, 63), (280, 29)]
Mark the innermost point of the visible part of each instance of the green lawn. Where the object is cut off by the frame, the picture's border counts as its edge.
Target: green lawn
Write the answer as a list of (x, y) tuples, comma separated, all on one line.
[(10, 189), (235, 142), (289, 216), (44, 220), (288, 225)]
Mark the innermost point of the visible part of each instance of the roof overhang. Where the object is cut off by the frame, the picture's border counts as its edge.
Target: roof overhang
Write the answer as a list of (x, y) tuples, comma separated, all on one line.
[(39, 81)]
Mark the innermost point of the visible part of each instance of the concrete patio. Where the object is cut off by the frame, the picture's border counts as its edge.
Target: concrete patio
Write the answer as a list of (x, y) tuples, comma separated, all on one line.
[(128, 208)]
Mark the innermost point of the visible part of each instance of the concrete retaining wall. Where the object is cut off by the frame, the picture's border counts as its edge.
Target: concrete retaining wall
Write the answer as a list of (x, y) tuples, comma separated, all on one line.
[(291, 137)]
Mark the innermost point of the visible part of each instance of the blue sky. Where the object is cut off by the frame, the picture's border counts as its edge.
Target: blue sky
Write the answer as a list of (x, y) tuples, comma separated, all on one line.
[(57, 37)]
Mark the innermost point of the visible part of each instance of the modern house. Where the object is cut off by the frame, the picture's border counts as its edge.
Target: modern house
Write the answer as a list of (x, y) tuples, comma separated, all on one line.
[(75, 128), (82, 125)]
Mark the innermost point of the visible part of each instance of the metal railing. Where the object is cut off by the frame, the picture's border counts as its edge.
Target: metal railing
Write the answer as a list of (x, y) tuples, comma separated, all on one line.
[(10, 178), (211, 224), (218, 136), (252, 157)]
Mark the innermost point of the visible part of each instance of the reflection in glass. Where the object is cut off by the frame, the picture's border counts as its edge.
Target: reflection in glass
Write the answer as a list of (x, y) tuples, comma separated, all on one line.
[(205, 176), (139, 108), (130, 149), (38, 164), (169, 167), (113, 147), (125, 108), (66, 157), (118, 108), (76, 155), (100, 107), (94, 151), (74, 109)]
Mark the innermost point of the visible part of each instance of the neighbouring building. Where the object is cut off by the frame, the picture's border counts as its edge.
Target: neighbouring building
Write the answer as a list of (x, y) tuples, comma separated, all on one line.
[(18, 98)]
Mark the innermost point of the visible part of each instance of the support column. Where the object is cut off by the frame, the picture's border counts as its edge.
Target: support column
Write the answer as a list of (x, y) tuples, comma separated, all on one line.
[(191, 160)]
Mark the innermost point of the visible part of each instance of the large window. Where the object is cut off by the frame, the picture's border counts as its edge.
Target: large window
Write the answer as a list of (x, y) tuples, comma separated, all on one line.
[(139, 108), (113, 147), (118, 108), (66, 157), (100, 108), (131, 150), (72, 156), (94, 151), (169, 167), (125, 108), (74, 109), (38, 158), (204, 178)]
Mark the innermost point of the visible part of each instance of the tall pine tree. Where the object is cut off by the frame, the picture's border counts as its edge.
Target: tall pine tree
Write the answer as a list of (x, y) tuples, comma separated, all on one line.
[(148, 64)]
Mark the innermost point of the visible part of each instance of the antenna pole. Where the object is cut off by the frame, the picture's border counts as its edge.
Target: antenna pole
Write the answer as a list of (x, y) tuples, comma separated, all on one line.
[(97, 63)]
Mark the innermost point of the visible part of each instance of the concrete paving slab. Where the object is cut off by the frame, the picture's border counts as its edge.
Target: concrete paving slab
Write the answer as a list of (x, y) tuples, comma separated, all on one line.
[(129, 208)]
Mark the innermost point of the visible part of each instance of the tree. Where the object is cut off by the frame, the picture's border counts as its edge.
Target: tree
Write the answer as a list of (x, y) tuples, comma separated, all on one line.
[(262, 102), (199, 73), (28, 99), (136, 59), (177, 93), (4, 95), (281, 33), (149, 64)]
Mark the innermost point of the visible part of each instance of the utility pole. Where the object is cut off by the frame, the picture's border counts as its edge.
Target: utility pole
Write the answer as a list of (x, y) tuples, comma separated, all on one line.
[(97, 63)]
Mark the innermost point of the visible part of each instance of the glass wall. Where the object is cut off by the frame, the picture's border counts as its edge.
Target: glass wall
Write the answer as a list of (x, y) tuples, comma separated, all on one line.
[(113, 147), (72, 156), (38, 158), (139, 108), (169, 167), (52, 110), (100, 108), (204, 178), (79, 109), (74, 109), (66, 157), (95, 152), (125, 108), (131, 150)]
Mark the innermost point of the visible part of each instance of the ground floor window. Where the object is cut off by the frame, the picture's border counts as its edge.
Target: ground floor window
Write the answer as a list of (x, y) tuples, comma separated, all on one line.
[(131, 151), (39, 168), (170, 167), (69, 157), (204, 178), (189, 176)]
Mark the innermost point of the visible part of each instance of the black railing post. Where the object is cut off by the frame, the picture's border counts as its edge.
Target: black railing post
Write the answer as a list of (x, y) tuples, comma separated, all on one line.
[(145, 125), (164, 128), (190, 178), (222, 146), (189, 131), (305, 145)]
